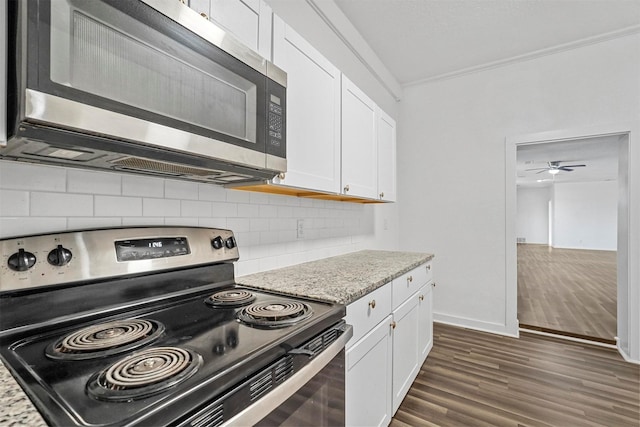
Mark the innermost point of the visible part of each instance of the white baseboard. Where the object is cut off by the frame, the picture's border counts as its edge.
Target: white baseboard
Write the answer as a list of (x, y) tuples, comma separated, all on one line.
[(624, 354), (494, 328)]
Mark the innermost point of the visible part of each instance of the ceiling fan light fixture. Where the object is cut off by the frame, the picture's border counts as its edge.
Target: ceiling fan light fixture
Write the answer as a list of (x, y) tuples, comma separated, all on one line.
[(553, 171)]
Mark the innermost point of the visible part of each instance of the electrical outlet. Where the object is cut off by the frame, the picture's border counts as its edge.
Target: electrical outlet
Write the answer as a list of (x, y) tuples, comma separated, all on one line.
[(300, 229)]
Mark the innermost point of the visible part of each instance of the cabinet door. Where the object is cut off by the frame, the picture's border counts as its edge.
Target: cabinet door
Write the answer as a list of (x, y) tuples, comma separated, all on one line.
[(359, 145), (405, 349), (386, 157), (368, 378), (313, 112), (248, 20), (425, 321)]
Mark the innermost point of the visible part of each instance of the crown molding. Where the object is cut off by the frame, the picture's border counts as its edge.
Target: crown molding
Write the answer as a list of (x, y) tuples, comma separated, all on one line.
[(627, 31), (336, 20)]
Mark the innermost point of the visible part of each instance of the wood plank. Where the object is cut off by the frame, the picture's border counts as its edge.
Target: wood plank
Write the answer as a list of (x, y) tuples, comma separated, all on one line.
[(568, 291), (475, 378)]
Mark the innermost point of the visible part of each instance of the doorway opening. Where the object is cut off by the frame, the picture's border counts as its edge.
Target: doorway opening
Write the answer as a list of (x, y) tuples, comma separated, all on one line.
[(567, 209)]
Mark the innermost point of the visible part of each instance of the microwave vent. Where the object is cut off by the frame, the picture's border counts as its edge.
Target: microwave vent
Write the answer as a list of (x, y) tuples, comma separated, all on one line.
[(154, 166)]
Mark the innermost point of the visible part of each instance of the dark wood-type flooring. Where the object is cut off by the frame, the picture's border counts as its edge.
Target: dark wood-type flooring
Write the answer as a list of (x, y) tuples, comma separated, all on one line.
[(569, 291), (475, 378)]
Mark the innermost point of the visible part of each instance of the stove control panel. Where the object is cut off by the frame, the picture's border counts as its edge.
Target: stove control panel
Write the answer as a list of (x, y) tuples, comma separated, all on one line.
[(75, 256)]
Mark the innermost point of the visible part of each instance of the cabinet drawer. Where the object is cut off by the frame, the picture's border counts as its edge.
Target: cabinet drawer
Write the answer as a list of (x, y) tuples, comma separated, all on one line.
[(409, 283), (366, 312)]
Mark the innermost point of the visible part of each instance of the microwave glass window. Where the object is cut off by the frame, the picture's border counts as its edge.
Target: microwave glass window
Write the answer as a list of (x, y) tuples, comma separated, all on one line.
[(100, 50)]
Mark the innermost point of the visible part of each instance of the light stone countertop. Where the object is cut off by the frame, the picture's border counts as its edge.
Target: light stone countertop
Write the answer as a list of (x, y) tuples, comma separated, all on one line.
[(16, 410), (341, 279)]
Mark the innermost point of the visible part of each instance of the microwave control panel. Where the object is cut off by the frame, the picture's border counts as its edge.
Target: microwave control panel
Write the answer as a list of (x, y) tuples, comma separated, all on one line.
[(275, 121)]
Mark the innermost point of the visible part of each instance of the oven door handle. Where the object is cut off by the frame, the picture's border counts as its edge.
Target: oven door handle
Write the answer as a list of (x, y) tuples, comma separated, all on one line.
[(265, 405)]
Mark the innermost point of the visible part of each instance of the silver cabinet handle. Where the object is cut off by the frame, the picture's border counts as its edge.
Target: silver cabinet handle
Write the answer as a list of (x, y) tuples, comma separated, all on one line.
[(410, 279), (382, 195), (346, 188), (372, 304), (428, 267), (281, 175)]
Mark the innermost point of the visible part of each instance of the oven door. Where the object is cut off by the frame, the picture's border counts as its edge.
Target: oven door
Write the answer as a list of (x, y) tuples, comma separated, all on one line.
[(126, 70), (314, 396)]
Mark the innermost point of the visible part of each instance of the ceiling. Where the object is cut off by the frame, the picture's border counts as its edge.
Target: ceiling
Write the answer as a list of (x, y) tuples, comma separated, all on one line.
[(421, 40), (599, 154)]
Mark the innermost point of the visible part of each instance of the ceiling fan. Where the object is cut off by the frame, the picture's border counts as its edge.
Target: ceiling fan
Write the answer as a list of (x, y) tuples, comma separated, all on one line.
[(555, 167)]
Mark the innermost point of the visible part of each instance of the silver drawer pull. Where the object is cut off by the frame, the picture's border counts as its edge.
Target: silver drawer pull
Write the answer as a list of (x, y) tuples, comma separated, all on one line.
[(410, 279), (428, 267), (372, 304)]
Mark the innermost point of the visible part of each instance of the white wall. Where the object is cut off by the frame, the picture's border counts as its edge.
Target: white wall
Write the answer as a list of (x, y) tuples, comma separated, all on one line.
[(585, 215), (38, 199), (451, 147), (532, 222)]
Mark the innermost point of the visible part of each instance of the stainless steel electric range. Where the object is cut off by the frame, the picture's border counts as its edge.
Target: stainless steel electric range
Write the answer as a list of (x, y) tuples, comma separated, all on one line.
[(146, 326)]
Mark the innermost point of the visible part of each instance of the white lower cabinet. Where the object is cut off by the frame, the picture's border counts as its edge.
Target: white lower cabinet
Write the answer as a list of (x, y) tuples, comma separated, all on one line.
[(425, 321), (405, 348), (368, 373), (393, 334)]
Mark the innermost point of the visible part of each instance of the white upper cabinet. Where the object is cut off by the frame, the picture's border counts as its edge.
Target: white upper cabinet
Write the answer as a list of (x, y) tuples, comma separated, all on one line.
[(386, 157), (248, 20), (359, 145), (313, 112)]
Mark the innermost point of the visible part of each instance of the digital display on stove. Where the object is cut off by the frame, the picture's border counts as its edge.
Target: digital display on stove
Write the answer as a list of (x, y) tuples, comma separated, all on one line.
[(143, 249)]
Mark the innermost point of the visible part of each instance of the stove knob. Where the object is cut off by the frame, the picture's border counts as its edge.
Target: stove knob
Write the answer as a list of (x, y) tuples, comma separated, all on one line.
[(217, 243), (230, 242), (21, 260), (59, 256)]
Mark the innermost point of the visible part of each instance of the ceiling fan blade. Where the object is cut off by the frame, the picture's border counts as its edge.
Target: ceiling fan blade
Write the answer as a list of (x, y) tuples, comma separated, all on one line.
[(573, 166), (537, 169), (564, 168), (542, 171)]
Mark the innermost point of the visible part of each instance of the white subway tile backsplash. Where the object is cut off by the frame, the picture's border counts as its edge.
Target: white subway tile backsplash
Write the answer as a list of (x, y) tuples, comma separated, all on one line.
[(183, 221), (212, 193), (83, 223), (195, 208), (118, 206), (61, 204), (160, 207), (142, 221), (250, 238), (39, 199), (134, 185), (259, 224), (213, 222), (248, 210), (183, 190), (20, 226), (91, 182), (22, 176), (285, 211), (14, 203), (238, 196), (225, 209), (259, 198), (268, 211), (239, 224)]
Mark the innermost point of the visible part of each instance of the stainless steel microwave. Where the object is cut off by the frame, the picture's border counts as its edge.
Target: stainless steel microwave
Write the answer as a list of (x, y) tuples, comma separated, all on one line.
[(142, 86)]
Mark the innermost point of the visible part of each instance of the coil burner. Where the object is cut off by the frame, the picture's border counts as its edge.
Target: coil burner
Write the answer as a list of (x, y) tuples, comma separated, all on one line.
[(275, 314), (105, 339), (144, 374), (231, 298)]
